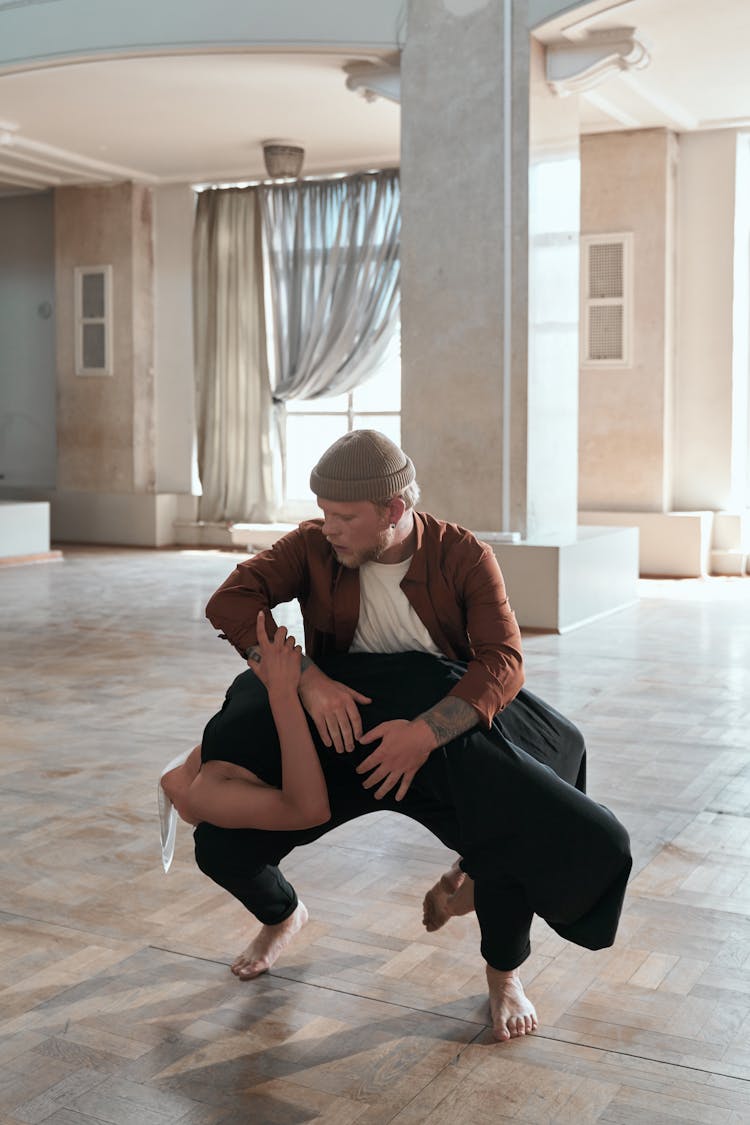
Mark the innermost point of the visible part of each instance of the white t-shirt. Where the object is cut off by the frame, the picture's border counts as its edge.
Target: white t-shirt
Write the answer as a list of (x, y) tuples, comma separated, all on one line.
[(387, 620)]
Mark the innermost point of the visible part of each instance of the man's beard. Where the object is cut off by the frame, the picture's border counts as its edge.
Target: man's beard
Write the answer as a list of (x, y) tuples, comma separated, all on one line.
[(373, 554)]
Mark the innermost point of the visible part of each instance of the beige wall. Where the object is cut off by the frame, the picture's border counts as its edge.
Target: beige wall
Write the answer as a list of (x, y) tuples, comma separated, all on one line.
[(106, 423), (174, 209), (704, 384), (27, 342), (625, 421)]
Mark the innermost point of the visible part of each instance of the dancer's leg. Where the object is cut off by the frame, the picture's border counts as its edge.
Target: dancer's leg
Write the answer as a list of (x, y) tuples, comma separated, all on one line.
[(244, 862), (504, 918)]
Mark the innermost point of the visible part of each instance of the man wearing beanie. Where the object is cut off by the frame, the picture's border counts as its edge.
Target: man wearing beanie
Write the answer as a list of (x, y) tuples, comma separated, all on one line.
[(410, 645)]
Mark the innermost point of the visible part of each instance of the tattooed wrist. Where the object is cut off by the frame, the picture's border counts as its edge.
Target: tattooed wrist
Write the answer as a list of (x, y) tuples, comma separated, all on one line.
[(449, 718), (253, 653)]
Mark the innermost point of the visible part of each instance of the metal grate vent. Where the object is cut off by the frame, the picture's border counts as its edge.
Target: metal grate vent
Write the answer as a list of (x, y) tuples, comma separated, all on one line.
[(93, 290), (94, 347), (606, 300), (93, 320), (606, 270), (606, 335)]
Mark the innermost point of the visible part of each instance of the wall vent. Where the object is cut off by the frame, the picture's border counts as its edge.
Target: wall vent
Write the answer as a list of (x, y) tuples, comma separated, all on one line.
[(606, 305), (93, 315)]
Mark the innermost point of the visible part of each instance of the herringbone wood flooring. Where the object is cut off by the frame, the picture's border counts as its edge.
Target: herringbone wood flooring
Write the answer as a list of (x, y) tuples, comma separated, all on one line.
[(116, 1004)]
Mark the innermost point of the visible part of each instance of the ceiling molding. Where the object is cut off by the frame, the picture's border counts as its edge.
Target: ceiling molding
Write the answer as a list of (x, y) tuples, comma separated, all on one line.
[(375, 79), (18, 179), (75, 166), (581, 28), (6, 4), (724, 123), (573, 67)]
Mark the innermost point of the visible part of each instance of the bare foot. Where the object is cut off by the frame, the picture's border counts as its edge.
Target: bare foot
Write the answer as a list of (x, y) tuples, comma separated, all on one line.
[(452, 894), (265, 948), (512, 1012)]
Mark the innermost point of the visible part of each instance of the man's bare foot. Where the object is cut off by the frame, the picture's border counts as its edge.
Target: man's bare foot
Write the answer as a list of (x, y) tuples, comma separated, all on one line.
[(512, 1012), (452, 894), (266, 947)]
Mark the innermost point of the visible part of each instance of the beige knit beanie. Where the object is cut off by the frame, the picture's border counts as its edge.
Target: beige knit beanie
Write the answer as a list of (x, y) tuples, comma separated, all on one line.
[(362, 465)]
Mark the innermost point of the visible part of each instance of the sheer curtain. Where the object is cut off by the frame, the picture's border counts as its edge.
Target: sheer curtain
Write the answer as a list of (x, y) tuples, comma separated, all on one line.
[(238, 470), (333, 281), (296, 296)]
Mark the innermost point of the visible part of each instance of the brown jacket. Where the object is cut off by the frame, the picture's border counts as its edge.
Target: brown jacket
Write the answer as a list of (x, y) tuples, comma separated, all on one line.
[(454, 584)]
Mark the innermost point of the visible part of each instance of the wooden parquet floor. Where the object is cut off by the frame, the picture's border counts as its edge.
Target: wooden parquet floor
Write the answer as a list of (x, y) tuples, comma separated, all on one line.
[(116, 1004)]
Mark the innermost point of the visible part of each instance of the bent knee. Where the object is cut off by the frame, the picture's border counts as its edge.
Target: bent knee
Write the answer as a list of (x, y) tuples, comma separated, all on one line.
[(211, 848)]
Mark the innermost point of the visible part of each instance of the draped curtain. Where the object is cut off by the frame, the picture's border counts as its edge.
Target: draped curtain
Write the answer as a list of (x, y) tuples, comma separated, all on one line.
[(296, 296), (238, 470), (333, 269)]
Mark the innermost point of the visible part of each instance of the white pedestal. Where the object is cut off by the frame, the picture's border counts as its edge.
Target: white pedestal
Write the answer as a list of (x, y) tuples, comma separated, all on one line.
[(730, 552), (24, 528), (559, 585), (672, 544), (144, 519)]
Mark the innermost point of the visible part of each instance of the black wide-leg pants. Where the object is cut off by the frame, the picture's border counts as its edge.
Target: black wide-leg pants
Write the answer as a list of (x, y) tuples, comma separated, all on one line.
[(506, 800)]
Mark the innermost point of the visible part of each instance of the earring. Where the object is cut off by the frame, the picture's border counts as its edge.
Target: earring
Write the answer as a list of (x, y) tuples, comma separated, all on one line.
[(393, 527)]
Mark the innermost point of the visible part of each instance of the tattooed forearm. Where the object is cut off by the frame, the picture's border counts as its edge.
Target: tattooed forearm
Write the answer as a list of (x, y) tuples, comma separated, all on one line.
[(449, 718), (253, 653)]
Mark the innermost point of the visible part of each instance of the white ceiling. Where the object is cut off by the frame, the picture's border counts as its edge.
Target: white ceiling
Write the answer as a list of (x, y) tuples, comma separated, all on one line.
[(202, 117), (699, 73), (191, 118)]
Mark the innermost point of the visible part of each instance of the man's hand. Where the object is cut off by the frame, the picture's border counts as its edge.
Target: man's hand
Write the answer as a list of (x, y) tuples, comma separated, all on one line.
[(405, 746), (332, 706)]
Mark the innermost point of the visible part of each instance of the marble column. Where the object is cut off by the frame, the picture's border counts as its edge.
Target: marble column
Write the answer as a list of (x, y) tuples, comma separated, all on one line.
[(490, 212), (455, 330), (106, 424), (489, 394)]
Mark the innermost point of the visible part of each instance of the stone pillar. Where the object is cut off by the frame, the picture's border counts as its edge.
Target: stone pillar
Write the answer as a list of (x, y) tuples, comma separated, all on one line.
[(105, 424), (490, 424), (455, 320), (712, 420), (705, 392), (628, 184), (489, 336)]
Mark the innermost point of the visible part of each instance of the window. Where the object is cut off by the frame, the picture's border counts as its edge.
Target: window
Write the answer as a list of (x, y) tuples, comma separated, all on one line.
[(93, 320), (312, 425), (606, 314)]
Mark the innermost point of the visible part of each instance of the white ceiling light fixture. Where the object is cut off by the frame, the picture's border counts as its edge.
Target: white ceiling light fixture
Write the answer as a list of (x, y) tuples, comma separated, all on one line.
[(375, 79), (283, 160), (573, 67)]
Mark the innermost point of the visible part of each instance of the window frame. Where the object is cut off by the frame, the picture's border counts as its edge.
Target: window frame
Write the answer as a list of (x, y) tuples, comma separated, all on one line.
[(295, 509), (81, 321)]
